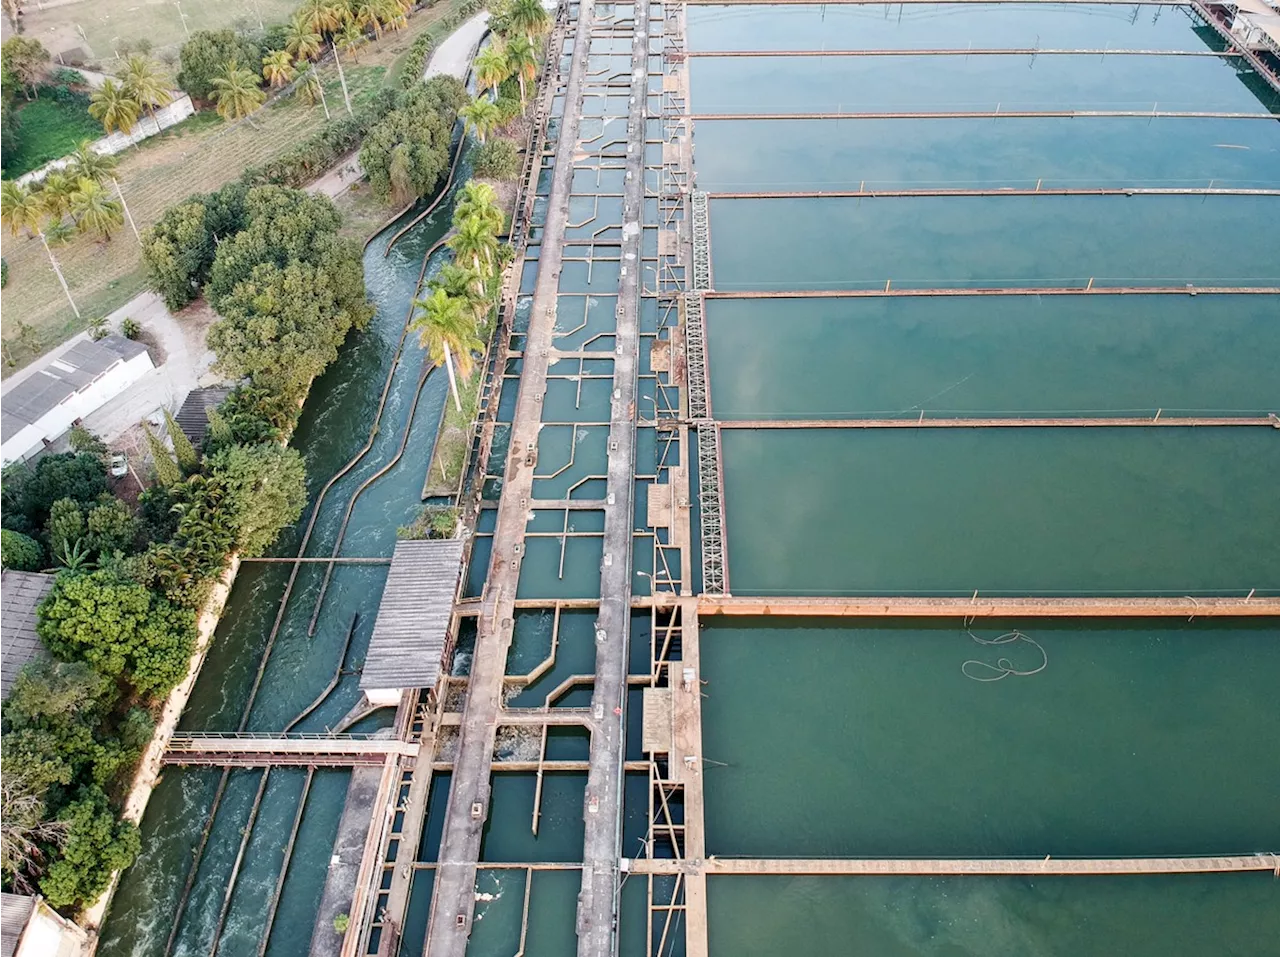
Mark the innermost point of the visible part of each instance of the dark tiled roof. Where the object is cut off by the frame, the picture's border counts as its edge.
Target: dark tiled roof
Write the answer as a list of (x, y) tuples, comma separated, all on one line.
[(409, 637), (20, 593), (193, 417)]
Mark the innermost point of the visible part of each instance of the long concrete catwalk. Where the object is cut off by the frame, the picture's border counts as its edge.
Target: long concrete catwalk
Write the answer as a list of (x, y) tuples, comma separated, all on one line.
[(945, 867), (982, 607)]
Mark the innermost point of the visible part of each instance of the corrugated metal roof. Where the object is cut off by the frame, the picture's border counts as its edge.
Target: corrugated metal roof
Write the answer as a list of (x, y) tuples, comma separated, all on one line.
[(20, 593), (413, 619), (193, 417), (63, 376), (15, 911)]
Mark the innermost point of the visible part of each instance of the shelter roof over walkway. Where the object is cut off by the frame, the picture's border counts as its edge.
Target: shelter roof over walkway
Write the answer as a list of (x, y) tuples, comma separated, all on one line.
[(411, 631)]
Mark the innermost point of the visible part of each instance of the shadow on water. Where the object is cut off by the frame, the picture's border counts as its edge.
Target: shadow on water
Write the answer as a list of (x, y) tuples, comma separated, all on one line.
[(341, 411)]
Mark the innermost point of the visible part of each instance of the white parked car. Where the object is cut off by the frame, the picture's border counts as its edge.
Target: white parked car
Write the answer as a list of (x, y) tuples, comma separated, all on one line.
[(119, 465)]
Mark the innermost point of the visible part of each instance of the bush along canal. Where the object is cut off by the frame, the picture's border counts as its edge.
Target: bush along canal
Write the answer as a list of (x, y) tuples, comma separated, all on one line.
[(885, 571)]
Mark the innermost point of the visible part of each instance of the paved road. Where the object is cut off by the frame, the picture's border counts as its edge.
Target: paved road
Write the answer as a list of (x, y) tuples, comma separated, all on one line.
[(453, 57)]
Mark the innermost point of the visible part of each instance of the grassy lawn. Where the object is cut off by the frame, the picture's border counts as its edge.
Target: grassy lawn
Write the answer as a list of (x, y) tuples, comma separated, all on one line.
[(450, 454), (196, 156), (48, 130)]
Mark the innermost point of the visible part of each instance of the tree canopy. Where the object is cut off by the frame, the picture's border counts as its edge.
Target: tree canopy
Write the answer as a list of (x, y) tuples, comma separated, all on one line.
[(29, 491), (415, 135), (266, 489), (205, 57)]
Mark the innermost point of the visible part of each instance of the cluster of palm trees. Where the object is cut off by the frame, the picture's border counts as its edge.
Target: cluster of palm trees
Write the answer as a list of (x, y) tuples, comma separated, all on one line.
[(119, 102), (456, 312), (514, 50), (76, 191)]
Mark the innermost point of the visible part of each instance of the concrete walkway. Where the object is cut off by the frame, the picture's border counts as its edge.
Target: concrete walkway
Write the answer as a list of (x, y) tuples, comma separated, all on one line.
[(453, 57)]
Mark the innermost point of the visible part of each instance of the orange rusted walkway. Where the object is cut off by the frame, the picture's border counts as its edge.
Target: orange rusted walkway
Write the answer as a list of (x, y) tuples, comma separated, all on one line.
[(1005, 422), (980, 607), (947, 867)]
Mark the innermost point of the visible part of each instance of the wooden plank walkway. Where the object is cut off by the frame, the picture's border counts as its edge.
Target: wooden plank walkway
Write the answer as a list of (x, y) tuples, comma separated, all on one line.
[(987, 422), (981, 607), (182, 745), (996, 114), (959, 51), (1188, 289), (1058, 866)]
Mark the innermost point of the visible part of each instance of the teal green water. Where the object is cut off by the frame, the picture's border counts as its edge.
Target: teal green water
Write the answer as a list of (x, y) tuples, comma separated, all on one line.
[(758, 155), (828, 358), (937, 26), (955, 83), (1228, 915), (983, 241), (1140, 738), (1097, 510)]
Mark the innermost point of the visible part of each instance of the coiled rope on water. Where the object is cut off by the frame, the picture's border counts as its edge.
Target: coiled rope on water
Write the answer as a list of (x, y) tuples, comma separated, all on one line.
[(1003, 667)]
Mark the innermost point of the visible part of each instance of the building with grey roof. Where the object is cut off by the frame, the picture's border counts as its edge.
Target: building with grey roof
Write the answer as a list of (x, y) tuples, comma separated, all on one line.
[(193, 417), (20, 595), (411, 634), (31, 928), (65, 387)]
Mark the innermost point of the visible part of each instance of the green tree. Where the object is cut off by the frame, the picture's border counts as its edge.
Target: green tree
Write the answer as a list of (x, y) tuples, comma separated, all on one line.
[(144, 82), (120, 628), (498, 159), (481, 117), (97, 845), (478, 201), (421, 123), (236, 92), (303, 42), (266, 490), (25, 830), (166, 469), (522, 62), (475, 244), (447, 331), (94, 210), (491, 67), (56, 191), (23, 60), (20, 552), (466, 285), (278, 69), (529, 17), (88, 163), (110, 527), (66, 527), (113, 107), (30, 491), (183, 450), (82, 440), (21, 207), (206, 55)]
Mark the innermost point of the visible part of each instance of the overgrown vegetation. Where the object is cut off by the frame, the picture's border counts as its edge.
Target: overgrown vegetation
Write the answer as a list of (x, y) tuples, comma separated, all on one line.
[(432, 521), (407, 153)]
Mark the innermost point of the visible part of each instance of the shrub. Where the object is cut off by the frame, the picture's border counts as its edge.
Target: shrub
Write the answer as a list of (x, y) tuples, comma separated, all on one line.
[(20, 552), (497, 159), (205, 57), (30, 491), (415, 61), (433, 521), (130, 328)]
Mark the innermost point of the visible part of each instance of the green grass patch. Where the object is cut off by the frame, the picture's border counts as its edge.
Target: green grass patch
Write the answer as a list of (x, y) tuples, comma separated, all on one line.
[(48, 130)]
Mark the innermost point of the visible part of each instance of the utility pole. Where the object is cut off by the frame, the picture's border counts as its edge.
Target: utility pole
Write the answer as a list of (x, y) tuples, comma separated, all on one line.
[(183, 17), (129, 215), (342, 78), (58, 271)]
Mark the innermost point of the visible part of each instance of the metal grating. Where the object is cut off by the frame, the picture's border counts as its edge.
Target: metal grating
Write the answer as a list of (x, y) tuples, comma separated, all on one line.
[(701, 242), (695, 357), (713, 571)]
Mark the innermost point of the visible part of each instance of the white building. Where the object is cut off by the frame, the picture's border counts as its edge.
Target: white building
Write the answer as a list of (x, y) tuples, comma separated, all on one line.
[(30, 928), (64, 388)]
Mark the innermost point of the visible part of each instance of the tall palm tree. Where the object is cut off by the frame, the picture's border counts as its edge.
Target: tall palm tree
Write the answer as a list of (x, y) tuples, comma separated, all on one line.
[(522, 60), (88, 163), (56, 190), (322, 16), (21, 207), (236, 92), (145, 84), (113, 107), (350, 37), (94, 210), (369, 14), (445, 328), (481, 117), (302, 41), (491, 67), (530, 18), (313, 90), (479, 202), (278, 69), (464, 284), (476, 244)]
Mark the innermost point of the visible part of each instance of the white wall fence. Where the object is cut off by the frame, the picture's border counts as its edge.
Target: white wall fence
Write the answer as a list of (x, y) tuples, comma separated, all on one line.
[(168, 116)]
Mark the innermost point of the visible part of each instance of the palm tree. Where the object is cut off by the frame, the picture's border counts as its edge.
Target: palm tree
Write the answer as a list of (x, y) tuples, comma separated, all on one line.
[(88, 163), (482, 116), (530, 18), (59, 233), (313, 90), (236, 92), (444, 328), (522, 60), (474, 243), (327, 16), (94, 210), (491, 67), (277, 68), (369, 13), (464, 284), (479, 202), (302, 41), (56, 190), (145, 84), (113, 107), (21, 208), (350, 36)]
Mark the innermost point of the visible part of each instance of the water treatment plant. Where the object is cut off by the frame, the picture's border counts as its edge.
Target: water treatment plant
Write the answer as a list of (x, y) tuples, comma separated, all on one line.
[(870, 533)]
